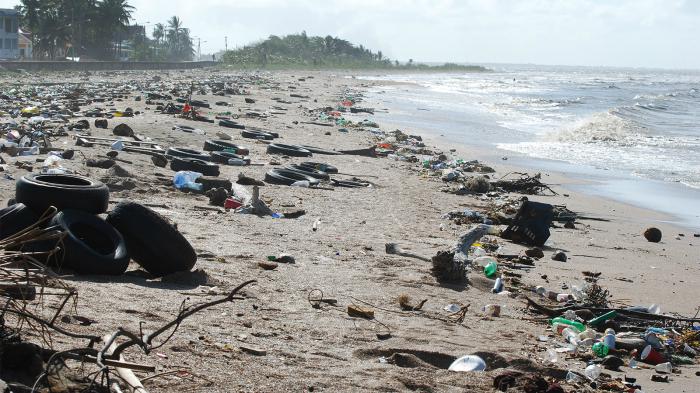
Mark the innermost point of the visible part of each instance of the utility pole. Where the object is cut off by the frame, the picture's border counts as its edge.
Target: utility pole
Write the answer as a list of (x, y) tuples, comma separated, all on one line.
[(199, 48), (225, 43)]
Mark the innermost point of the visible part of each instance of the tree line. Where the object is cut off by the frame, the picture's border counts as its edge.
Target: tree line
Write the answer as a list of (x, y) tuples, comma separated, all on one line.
[(302, 51), (101, 30)]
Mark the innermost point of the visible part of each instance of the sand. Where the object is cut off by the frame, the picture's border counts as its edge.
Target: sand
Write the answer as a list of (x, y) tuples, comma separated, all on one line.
[(302, 348)]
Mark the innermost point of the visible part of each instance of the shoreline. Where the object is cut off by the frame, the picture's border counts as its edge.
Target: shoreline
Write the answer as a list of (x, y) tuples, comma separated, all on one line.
[(581, 178)]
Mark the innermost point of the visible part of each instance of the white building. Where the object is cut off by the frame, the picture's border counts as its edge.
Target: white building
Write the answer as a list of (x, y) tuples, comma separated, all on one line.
[(9, 34)]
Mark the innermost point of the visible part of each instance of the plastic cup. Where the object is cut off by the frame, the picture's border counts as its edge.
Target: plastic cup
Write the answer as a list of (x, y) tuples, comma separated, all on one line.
[(650, 355), (664, 368)]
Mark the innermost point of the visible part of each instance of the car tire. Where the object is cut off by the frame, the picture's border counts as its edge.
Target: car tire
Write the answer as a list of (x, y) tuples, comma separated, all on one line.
[(231, 124), (186, 153), (288, 150), (252, 134), (39, 191), (151, 240), (15, 218), (288, 177), (315, 173), (219, 145), (90, 246), (222, 157), (191, 164)]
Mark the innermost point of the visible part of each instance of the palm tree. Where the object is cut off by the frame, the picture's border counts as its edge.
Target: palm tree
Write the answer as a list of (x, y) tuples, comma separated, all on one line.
[(158, 35), (114, 16)]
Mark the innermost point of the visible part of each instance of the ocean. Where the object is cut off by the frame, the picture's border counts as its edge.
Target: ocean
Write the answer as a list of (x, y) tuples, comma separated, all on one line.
[(635, 132)]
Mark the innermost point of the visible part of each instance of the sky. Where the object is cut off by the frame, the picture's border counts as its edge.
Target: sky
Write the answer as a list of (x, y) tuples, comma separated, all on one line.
[(626, 33)]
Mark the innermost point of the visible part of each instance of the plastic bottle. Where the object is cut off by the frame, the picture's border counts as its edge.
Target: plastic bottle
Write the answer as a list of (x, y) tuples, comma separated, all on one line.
[(593, 371), (573, 378), (301, 183), (609, 338), (237, 162), (186, 179), (490, 269), (577, 325), (498, 285), (601, 350), (570, 335)]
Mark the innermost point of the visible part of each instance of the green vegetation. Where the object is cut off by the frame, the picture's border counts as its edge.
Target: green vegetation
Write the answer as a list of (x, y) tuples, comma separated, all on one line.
[(301, 51), (99, 29)]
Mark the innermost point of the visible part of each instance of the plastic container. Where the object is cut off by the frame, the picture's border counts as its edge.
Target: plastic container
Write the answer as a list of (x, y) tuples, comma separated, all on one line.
[(490, 269), (563, 321), (187, 180), (468, 363), (601, 350)]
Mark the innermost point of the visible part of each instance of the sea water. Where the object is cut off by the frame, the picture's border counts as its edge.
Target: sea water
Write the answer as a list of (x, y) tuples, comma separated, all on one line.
[(635, 131)]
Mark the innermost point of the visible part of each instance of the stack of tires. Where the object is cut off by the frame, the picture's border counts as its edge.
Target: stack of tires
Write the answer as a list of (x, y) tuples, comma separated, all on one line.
[(92, 245)]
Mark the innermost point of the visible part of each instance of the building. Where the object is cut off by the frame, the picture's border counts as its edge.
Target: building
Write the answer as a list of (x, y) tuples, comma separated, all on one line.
[(25, 44), (9, 34)]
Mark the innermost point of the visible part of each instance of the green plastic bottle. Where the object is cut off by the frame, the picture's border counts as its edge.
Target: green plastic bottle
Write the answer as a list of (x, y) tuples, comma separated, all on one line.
[(601, 350), (490, 269), (574, 324)]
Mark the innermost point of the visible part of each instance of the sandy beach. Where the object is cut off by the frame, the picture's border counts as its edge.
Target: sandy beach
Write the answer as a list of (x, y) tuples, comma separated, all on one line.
[(274, 339)]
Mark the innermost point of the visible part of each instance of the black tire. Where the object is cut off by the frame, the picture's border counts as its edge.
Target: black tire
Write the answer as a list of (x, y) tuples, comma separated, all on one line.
[(316, 174), (222, 157), (251, 134), (15, 218), (186, 153), (231, 124), (288, 177), (191, 164), (152, 241), (219, 145), (209, 182), (318, 150), (39, 191), (320, 166), (349, 184), (91, 246), (288, 150)]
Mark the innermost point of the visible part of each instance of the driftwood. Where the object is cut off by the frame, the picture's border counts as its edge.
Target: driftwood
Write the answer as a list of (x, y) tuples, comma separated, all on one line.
[(448, 266), (526, 184), (557, 311), (451, 266)]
